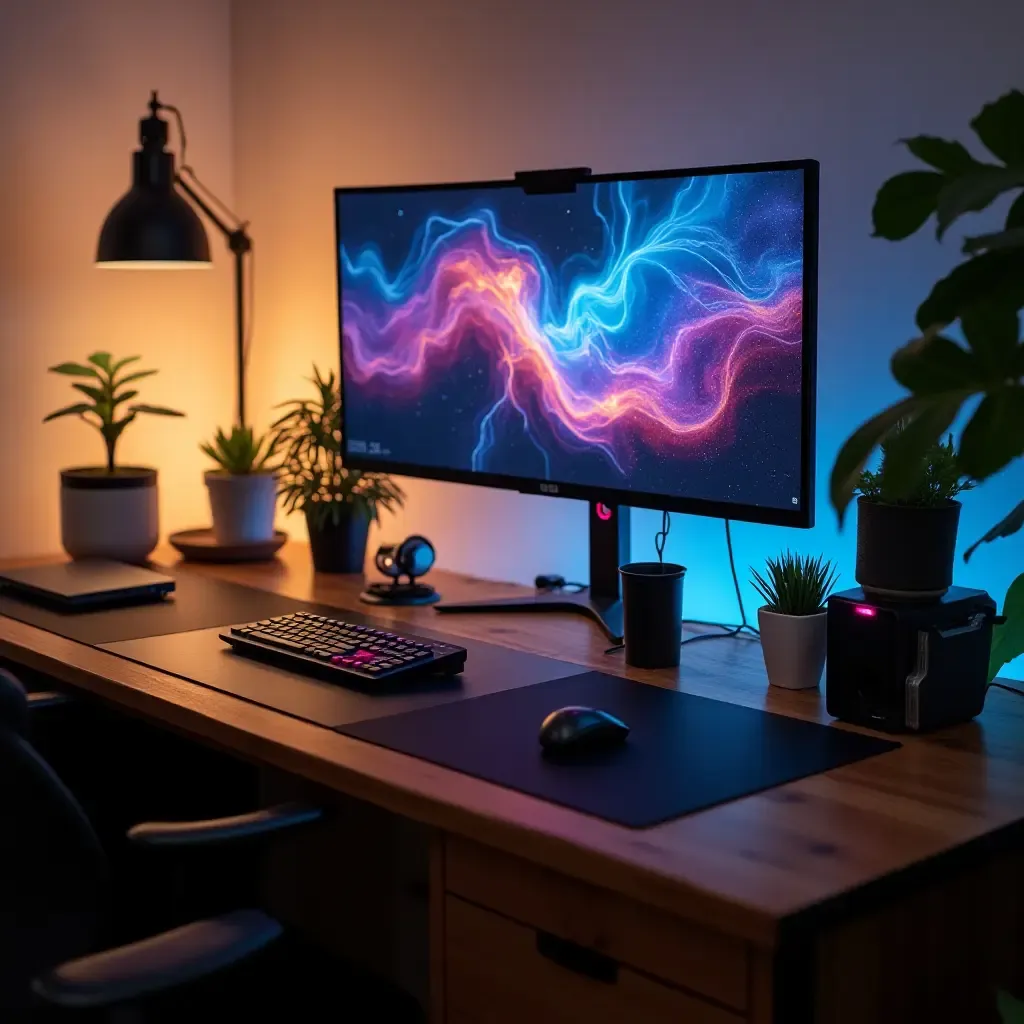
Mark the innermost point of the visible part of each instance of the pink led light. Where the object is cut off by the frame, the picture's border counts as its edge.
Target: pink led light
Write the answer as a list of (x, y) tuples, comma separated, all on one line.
[(604, 513), (866, 610)]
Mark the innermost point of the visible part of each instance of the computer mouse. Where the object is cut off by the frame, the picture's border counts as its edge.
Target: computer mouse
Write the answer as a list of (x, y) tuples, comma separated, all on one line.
[(578, 729)]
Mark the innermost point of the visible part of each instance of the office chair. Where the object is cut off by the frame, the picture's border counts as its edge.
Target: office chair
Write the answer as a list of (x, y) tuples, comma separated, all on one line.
[(55, 891)]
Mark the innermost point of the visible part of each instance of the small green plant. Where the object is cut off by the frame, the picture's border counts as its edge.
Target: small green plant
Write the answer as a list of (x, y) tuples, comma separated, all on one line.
[(795, 584), (313, 479), (241, 452), (107, 393), (937, 479)]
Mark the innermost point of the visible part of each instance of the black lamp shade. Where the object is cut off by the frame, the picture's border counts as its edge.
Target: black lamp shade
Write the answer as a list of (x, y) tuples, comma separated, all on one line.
[(153, 224)]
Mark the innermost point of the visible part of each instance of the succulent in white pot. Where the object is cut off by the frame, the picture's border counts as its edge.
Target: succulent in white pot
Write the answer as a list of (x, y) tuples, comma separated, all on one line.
[(792, 619), (243, 487), (108, 511)]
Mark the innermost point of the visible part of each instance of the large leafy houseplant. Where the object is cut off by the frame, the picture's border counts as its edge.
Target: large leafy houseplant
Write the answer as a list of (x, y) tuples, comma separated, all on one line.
[(981, 298), (312, 478)]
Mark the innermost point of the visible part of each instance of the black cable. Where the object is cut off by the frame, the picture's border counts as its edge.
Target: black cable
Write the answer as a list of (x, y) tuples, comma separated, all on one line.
[(661, 537), (1012, 689), (211, 196)]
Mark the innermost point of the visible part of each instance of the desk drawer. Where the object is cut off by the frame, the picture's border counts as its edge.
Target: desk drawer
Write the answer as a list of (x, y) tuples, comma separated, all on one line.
[(643, 937), (501, 972)]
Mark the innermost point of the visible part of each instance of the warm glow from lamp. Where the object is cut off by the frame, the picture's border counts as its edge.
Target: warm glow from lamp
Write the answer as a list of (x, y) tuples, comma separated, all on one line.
[(153, 264)]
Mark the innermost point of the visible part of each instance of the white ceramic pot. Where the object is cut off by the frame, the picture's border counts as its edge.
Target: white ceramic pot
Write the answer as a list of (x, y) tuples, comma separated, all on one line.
[(793, 647), (243, 506), (109, 515)]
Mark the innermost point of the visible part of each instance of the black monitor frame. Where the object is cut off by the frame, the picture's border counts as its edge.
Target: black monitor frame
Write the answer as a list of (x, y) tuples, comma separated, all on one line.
[(803, 516)]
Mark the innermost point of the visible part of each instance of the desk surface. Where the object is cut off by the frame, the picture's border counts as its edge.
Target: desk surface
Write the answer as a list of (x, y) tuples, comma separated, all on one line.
[(743, 867)]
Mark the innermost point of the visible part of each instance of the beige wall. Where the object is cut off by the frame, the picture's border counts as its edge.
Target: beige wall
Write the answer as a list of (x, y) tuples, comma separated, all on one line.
[(75, 76), (329, 93)]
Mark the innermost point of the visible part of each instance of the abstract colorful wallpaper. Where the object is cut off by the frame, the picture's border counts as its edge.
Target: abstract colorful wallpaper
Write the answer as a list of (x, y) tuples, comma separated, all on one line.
[(643, 335)]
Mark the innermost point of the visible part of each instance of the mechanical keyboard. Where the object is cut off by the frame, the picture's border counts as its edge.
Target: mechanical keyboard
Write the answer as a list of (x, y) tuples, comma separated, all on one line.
[(347, 653)]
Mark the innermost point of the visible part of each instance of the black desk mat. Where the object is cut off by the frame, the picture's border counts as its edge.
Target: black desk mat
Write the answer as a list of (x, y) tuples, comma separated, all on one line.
[(202, 657), (684, 753), (197, 603)]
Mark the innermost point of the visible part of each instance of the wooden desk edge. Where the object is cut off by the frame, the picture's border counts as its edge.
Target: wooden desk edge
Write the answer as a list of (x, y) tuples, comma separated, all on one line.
[(248, 730)]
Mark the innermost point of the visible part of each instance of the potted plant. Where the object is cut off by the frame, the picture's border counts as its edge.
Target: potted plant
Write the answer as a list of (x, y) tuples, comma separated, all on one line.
[(243, 487), (982, 297), (108, 511), (339, 504), (792, 619), (906, 539)]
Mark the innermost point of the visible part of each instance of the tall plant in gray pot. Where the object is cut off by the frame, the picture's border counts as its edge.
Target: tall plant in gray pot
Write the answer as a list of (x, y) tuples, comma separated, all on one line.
[(792, 619), (108, 511), (338, 503)]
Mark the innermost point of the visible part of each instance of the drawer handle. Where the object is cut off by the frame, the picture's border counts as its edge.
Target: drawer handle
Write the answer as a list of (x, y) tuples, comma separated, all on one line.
[(578, 959)]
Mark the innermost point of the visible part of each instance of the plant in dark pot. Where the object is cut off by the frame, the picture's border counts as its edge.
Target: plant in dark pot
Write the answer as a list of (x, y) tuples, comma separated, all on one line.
[(243, 487), (792, 618), (339, 504), (108, 511), (906, 538), (968, 357)]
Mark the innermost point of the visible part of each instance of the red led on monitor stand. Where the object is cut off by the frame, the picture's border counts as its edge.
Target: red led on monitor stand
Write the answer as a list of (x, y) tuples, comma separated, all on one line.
[(601, 602)]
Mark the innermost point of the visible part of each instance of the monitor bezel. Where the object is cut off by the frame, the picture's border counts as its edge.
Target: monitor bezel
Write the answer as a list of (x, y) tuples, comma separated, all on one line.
[(801, 517)]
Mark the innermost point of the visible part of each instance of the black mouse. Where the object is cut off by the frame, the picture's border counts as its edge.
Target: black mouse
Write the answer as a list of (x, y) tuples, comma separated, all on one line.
[(576, 730)]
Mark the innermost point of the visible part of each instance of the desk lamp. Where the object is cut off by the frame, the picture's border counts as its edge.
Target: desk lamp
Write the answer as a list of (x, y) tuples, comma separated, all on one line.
[(154, 226)]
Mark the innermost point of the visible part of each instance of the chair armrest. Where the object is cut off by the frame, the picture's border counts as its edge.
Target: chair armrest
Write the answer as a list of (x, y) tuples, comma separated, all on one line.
[(224, 830), (155, 964), (47, 699)]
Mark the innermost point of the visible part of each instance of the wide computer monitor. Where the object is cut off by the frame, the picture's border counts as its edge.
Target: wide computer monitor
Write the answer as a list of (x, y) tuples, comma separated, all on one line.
[(644, 339)]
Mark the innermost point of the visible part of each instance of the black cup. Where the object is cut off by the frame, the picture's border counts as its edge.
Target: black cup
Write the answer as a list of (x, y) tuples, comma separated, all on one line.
[(652, 599)]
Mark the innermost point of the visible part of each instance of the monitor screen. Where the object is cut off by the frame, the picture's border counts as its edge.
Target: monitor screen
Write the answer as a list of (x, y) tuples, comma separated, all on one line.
[(647, 339)]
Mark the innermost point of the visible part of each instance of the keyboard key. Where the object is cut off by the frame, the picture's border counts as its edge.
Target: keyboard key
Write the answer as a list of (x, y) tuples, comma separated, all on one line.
[(276, 641)]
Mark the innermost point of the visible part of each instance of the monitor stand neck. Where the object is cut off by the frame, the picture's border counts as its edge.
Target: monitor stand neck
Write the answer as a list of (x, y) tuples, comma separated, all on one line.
[(609, 548)]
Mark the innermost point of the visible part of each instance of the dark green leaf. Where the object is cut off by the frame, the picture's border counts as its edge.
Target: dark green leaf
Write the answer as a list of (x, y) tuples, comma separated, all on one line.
[(1008, 638), (74, 370), (124, 396), (1012, 238), (156, 410), (138, 375), (858, 446), (996, 276), (121, 363), (905, 454), (1015, 217), (974, 191), (112, 431), (1000, 126), (1006, 526), (995, 434), (98, 395), (993, 332), (933, 364), (69, 410), (904, 203), (949, 157), (102, 360)]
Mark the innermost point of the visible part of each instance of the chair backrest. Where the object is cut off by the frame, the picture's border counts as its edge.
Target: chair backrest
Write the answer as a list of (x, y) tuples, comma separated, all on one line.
[(53, 872)]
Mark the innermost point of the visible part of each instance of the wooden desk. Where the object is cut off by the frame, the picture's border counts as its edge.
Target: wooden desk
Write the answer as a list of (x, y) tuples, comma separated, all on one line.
[(887, 890)]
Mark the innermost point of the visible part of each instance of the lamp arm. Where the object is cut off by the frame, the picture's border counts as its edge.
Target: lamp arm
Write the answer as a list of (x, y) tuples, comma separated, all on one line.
[(238, 238)]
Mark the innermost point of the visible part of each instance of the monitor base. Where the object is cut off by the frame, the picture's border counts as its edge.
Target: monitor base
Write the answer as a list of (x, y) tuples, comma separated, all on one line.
[(605, 611), (608, 527)]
